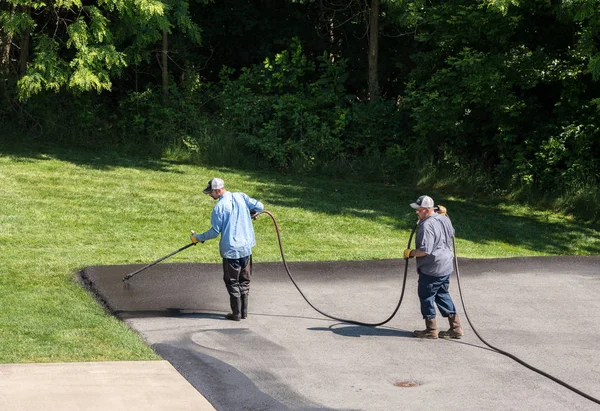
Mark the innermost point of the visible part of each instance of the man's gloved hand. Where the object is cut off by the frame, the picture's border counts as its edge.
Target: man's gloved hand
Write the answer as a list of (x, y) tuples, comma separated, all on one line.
[(253, 214), (194, 239), (441, 209), (407, 254)]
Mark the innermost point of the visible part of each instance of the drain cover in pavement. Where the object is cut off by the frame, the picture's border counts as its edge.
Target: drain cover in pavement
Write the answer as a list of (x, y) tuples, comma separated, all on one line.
[(406, 384)]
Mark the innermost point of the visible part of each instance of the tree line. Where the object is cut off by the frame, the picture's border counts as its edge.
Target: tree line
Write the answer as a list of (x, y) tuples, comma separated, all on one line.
[(502, 95)]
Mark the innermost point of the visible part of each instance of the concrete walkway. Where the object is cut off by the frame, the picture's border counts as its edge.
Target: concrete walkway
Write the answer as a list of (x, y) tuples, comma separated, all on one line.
[(97, 386)]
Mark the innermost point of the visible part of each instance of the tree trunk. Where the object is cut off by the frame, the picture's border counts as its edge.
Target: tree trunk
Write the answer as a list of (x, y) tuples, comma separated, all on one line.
[(5, 43), (5, 49), (24, 55), (165, 65), (373, 50)]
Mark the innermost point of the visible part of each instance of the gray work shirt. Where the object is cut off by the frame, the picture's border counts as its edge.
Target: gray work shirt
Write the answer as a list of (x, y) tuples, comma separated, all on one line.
[(435, 238)]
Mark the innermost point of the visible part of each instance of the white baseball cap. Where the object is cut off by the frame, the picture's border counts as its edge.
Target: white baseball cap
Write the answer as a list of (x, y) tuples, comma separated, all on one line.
[(214, 184), (423, 202)]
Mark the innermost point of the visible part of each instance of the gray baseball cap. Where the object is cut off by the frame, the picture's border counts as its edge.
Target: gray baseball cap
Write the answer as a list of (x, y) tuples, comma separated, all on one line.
[(423, 202)]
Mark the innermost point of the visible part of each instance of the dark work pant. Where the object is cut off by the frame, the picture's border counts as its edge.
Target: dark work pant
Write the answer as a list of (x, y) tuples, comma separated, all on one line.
[(434, 290), (237, 273)]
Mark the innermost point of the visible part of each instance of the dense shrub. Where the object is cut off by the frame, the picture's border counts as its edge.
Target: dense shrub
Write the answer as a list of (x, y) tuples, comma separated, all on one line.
[(298, 116)]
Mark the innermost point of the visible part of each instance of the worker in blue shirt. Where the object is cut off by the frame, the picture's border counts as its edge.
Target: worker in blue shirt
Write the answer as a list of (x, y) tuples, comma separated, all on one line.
[(232, 218)]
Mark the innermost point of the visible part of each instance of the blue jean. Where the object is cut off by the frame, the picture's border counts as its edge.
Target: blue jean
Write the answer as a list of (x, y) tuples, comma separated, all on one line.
[(435, 290)]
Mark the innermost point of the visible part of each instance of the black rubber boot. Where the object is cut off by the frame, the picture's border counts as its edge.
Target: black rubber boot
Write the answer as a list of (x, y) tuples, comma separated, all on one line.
[(244, 311), (236, 304)]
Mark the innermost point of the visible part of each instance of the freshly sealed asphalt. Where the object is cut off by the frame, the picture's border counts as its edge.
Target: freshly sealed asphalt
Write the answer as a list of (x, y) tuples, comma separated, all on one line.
[(286, 356)]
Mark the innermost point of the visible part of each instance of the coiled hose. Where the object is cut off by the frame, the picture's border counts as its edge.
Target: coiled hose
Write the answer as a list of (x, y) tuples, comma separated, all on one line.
[(498, 350), (287, 269)]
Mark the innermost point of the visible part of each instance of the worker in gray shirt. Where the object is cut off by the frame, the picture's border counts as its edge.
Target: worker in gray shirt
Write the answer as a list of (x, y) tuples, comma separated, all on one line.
[(435, 266)]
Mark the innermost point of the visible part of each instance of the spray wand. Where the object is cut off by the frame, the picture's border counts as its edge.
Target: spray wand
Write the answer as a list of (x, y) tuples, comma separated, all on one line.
[(128, 276)]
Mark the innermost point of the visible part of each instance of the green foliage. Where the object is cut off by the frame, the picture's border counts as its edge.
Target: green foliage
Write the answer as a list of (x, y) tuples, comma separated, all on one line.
[(93, 63), (298, 115), (377, 140), (287, 109), (87, 46), (47, 72), (566, 159), (16, 21), (587, 15), (502, 94), (140, 30), (78, 120), (145, 118), (520, 113)]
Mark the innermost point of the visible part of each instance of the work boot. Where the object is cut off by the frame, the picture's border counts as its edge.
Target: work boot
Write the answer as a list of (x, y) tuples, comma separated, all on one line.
[(455, 330), (244, 311), (235, 303), (430, 331)]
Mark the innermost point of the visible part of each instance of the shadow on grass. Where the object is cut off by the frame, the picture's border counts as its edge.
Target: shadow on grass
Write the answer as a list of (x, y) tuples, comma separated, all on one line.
[(478, 222), (475, 221), (99, 159)]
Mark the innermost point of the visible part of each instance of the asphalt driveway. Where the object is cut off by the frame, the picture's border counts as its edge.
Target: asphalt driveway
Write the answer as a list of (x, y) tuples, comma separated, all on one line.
[(285, 355)]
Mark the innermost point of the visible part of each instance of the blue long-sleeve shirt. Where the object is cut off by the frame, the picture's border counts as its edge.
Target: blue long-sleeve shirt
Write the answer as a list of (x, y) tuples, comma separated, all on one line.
[(231, 219)]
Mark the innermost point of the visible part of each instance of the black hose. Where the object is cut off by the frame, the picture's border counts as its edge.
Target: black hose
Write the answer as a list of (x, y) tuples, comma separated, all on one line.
[(498, 350), (509, 355), (287, 269)]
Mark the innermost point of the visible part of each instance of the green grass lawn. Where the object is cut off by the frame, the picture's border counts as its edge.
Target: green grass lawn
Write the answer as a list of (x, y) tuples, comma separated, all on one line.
[(63, 210)]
